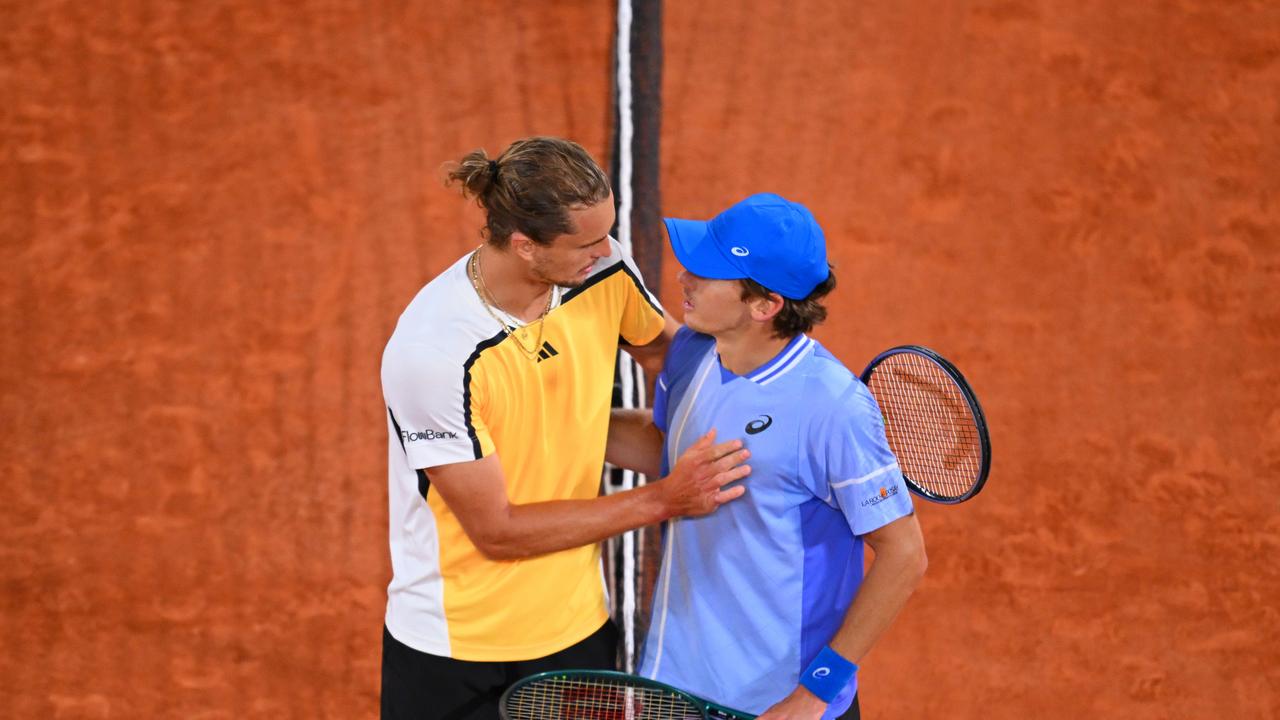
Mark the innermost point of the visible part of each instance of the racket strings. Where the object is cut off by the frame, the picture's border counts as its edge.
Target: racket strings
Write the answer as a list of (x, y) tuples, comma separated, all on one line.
[(568, 698), (929, 424)]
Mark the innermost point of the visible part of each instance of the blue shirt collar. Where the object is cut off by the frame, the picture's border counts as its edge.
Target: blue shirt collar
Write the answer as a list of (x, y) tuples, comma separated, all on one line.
[(780, 365)]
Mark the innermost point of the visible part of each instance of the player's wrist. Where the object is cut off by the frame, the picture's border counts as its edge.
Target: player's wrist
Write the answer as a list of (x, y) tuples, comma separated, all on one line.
[(828, 674), (663, 505), (803, 699), (674, 491)]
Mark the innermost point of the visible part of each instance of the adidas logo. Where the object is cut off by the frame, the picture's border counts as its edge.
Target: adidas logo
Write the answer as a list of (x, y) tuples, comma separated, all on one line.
[(547, 352)]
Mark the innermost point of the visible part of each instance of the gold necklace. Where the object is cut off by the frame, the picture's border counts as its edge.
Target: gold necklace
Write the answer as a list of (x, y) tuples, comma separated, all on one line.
[(477, 282)]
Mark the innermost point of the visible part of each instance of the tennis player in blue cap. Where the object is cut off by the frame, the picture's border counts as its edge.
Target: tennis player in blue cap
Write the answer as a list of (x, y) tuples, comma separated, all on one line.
[(764, 606)]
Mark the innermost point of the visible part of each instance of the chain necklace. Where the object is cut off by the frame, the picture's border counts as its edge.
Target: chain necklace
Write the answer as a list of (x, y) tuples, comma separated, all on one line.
[(477, 282)]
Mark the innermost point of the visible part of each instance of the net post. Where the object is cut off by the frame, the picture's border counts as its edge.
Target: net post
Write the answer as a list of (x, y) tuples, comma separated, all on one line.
[(634, 168)]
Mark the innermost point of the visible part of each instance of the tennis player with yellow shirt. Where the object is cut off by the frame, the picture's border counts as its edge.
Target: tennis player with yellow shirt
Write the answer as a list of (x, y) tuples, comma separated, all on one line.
[(497, 382)]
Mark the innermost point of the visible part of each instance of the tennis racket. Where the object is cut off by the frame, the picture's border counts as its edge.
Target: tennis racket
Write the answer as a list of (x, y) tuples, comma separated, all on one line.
[(604, 695), (933, 422)]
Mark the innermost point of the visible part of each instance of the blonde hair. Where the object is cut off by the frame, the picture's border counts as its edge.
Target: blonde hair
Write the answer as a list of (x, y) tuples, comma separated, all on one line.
[(530, 187)]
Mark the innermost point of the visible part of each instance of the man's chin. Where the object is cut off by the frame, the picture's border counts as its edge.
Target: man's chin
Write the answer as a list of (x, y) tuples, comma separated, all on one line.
[(693, 324), (564, 282), (570, 283)]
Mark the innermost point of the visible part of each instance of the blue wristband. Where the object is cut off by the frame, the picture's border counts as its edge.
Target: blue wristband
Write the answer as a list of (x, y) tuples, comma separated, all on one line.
[(828, 674)]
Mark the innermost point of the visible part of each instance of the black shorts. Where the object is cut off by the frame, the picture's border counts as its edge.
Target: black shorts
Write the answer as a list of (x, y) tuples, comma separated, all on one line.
[(419, 686), (854, 712)]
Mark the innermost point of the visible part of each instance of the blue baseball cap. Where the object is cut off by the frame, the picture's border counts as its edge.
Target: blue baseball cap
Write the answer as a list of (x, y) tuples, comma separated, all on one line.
[(766, 237)]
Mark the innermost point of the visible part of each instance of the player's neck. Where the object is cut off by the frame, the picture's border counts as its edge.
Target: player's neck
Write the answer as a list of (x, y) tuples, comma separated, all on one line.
[(749, 348), (511, 286)]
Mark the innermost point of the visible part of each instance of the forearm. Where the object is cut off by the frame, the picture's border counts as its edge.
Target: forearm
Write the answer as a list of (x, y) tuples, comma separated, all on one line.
[(476, 493), (634, 443), (894, 574), (546, 527), (895, 571)]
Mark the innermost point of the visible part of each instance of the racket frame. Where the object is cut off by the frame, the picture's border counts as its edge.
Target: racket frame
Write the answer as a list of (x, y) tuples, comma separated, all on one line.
[(970, 398), (622, 681)]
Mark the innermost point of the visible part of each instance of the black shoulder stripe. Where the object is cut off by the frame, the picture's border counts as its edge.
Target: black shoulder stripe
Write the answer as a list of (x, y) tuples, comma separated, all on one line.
[(399, 432), (424, 483), (644, 291), (593, 280), (617, 267), (466, 390)]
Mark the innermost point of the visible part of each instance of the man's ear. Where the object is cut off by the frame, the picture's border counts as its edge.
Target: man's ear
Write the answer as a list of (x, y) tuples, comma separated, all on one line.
[(522, 245), (763, 309)]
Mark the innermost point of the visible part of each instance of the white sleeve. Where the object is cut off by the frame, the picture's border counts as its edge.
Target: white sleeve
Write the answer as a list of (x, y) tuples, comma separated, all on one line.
[(430, 405)]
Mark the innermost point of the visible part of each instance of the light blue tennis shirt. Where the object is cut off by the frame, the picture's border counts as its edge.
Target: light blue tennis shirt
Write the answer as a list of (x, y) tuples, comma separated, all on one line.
[(749, 594)]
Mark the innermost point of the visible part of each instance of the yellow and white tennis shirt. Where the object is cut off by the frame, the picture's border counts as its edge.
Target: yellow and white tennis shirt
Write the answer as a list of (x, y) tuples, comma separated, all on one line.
[(458, 389)]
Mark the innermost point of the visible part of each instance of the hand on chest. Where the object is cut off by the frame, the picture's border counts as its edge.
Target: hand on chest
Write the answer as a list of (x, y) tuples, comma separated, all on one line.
[(769, 426)]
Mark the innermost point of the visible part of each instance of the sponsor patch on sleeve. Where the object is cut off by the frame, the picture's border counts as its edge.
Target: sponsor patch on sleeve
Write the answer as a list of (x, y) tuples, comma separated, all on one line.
[(880, 495), (412, 436)]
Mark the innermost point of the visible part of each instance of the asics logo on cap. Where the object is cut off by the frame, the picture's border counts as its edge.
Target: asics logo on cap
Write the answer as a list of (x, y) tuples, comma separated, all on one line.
[(739, 251)]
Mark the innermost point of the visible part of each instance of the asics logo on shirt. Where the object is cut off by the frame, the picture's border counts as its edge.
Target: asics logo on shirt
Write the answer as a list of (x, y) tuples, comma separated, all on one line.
[(759, 425)]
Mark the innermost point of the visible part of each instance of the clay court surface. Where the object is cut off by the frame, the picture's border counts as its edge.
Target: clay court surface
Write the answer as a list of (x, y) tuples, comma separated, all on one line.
[(213, 213)]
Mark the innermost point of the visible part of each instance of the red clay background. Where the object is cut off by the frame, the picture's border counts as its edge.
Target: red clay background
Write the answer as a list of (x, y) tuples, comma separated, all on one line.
[(213, 213)]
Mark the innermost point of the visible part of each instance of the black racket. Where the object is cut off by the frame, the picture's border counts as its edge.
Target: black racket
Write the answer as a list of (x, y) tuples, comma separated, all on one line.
[(933, 422), (604, 695)]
